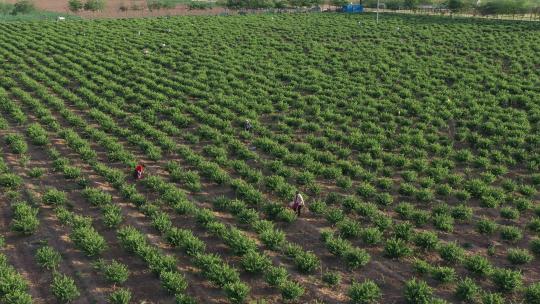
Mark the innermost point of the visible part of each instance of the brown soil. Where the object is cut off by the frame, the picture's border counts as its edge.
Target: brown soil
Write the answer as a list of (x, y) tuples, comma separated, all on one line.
[(135, 8)]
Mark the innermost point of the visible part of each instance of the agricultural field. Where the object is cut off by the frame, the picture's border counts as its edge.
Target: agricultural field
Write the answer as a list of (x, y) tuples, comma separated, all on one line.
[(415, 143)]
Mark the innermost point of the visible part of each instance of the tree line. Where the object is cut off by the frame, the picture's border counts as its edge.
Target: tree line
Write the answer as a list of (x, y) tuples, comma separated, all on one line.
[(475, 7)]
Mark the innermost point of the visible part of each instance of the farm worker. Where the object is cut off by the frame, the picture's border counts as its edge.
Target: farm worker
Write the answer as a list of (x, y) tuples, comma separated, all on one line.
[(247, 125), (139, 171), (298, 203)]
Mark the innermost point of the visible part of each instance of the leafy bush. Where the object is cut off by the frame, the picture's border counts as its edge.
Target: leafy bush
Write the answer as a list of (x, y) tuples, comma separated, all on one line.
[(467, 290), (237, 292), (37, 134), (418, 292), (507, 280), (276, 276), (511, 233), (486, 226), (364, 293), (451, 252), (519, 256), (492, 298), (427, 240), (356, 257), (173, 281), (120, 296), (444, 274), (75, 5), (23, 7), (371, 236), (396, 248), (478, 265), (54, 197), (532, 294), (534, 245), (306, 262), (16, 143), (88, 240), (291, 291), (47, 257), (115, 272), (64, 288), (274, 239), (9, 180), (255, 262), (94, 5), (331, 278), (25, 218), (112, 215), (444, 222)]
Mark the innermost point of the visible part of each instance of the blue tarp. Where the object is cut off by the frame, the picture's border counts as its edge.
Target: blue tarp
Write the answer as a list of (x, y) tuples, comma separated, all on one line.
[(353, 8)]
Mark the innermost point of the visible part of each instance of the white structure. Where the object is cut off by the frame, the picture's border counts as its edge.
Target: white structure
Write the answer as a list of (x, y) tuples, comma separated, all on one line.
[(59, 18)]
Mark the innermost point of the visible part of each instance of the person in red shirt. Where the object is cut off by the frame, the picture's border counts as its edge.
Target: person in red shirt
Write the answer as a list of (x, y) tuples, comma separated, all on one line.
[(139, 171)]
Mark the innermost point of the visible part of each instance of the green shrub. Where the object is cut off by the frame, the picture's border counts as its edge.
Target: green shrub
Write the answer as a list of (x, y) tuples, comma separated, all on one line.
[(276, 276), (173, 281), (112, 215), (274, 239), (418, 292), (120, 296), (54, 197), (47, 257), (255, 262), (317, 207), (421, 266), (94, 5), (36, 172), (25, 219), (115, 272), (462, 212), (511, 233), (331, 278), (16, 143), (532, 294), (467, 290), (88, 240), (306, 262), (366, 292), (478, 265), (509, 213), (396, 248), (37, 134), (486, 226), (444, 274), (507, 280), (370, 235), (519, 256), (356, 257), (444, 222), (237, 292), (534, 245), (334, 215), (348, 228), (96, 197), (451, 252), (75, 5), (403, 231), (492, 298), (64, 288), (427, 240), (9, 180)]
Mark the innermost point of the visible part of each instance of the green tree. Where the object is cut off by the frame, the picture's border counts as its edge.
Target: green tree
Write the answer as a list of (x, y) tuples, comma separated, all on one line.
[(75, 5), (456, 5), (94, 5), (23, 7), (411, 4)]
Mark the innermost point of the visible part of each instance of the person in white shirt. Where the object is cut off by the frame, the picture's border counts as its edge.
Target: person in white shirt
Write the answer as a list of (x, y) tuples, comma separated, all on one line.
[(298, 203)]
